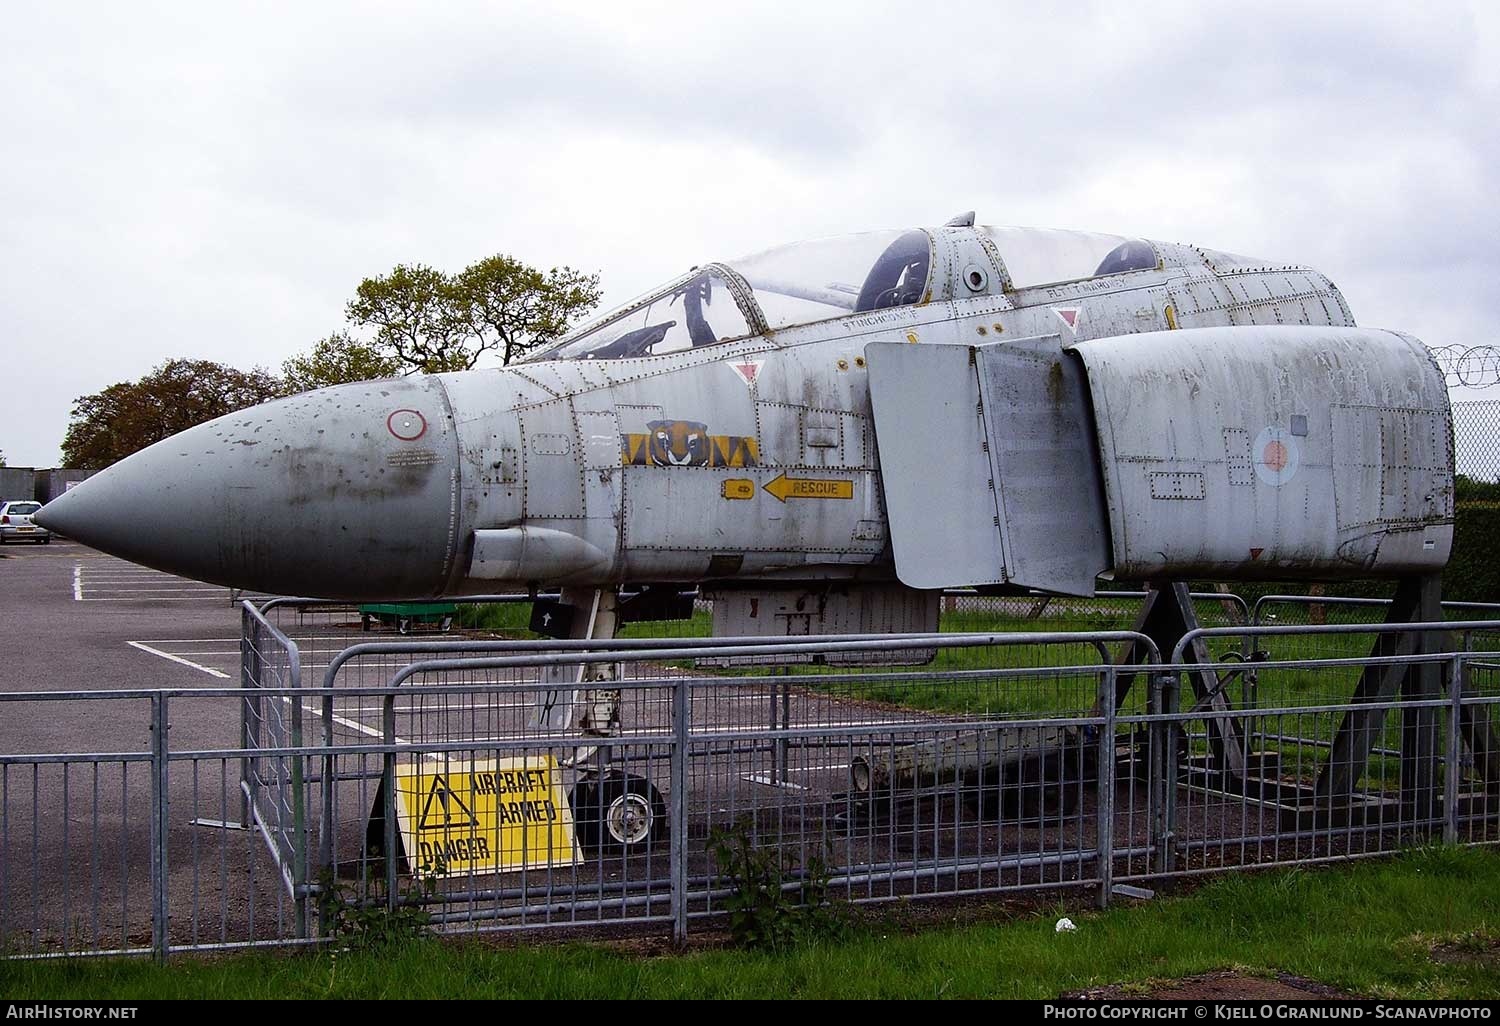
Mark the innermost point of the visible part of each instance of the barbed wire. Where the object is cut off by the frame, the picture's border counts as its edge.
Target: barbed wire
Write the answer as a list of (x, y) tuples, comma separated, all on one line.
[(1469, 366)]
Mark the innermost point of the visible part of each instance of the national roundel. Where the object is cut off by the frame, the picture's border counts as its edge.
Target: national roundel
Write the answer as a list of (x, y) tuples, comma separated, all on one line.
[(1276, 455)]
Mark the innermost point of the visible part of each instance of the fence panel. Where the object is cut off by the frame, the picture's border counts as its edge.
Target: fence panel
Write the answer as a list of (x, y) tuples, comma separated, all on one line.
[(76, 847), (273, 782), (458, 788)]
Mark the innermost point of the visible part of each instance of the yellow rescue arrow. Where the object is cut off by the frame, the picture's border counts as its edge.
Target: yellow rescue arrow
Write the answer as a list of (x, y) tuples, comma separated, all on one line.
[(809, 488)]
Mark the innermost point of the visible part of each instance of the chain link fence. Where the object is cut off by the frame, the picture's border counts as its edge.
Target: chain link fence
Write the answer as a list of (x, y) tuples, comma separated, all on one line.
[(1476, 439)]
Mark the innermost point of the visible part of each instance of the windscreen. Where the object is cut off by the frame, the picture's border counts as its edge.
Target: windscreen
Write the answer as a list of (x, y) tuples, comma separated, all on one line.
[(1041, 256), (696, 310), (813, 281), (796, 284)]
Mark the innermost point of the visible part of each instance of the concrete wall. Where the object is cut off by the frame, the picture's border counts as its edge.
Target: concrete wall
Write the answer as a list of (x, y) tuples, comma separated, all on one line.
[(53, 482), (17, 483)]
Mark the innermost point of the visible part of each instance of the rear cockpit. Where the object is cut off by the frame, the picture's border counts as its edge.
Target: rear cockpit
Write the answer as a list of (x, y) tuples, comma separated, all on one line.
[(823, 279)]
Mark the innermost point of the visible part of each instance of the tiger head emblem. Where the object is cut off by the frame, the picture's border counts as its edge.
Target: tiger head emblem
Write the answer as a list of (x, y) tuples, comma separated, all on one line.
[(678, 443)]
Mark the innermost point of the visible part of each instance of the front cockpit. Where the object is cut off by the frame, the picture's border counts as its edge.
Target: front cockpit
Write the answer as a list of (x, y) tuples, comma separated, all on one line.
[(823, 279)]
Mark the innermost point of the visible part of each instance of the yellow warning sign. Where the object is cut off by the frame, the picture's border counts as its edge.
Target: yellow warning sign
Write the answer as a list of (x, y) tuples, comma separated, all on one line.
[(737, 488), (458, 816), (785, 488)]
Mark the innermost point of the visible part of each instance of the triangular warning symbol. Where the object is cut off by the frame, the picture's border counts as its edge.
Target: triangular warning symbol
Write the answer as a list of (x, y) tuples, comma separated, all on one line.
[(1069, 315), (748, 370), (443, 809)]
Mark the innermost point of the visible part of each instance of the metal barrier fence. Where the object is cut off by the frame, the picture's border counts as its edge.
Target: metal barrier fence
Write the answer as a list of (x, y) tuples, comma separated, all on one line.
[(963, 774), (1392, 750), (1338, 611), (272, 782), (698, 754), (137, 851)]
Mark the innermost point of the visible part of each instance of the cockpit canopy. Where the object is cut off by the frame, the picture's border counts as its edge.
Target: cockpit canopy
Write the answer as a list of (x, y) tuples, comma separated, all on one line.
[(806, 282)]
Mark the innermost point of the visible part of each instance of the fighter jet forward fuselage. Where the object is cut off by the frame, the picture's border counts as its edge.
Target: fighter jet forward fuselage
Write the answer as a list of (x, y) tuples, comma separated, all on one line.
[(858, 420)]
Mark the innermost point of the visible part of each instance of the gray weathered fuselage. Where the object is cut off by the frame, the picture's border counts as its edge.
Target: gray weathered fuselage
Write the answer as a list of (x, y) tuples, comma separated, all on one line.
[(751, 459)]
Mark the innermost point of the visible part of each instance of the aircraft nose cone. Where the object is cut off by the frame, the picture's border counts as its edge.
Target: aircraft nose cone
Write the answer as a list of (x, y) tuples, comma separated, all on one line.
[(345, 492), (62, 517)]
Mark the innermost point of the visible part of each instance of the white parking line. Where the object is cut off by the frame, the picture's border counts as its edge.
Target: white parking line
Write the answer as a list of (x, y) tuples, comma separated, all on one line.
[(343, 721), (194, 641), (458, 711), (765, 778), (360, 727), (178, 659), (117, 581), (216, 593), (161, 598)]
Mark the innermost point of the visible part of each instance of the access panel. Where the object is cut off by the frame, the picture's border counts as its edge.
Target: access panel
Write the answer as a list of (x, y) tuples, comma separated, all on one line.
[(988, 465)]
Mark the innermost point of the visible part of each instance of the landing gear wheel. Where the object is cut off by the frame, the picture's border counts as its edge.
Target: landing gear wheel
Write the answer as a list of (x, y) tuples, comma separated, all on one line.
[(620, 814), (47, 540)]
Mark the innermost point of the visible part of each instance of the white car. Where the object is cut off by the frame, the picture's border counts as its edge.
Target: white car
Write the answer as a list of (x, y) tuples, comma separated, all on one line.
[(16, 525)]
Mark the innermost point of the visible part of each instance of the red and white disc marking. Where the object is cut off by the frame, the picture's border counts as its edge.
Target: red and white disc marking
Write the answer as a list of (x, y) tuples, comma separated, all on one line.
[(1276, 455), (407, 425)]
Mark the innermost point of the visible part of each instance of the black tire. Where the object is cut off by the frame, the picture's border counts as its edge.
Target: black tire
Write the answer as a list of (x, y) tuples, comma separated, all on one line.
[(47, 540), (619, 814)]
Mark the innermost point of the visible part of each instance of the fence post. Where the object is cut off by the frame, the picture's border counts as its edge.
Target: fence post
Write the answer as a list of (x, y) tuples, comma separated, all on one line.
[(1164, 766), (250, 677), (327, 817), (160, 937), (1457, 672), (1105, 843), (677, 811), (299, 822), (388, 810)]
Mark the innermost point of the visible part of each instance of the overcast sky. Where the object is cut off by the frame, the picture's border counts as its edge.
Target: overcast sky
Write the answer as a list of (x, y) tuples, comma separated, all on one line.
[(212, 182)]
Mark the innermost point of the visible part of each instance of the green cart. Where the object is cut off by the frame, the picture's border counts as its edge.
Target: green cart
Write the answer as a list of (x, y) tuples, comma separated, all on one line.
[(403, 616)]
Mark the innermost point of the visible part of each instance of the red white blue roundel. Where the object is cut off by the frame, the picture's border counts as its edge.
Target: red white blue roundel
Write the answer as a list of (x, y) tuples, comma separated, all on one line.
[(1276, 454)]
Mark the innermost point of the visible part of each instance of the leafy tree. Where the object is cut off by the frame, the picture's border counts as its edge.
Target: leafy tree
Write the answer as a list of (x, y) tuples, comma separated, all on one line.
[(513, 308), (2, 457), (433, 322), (336, 360), (417, 318), (108, 426)]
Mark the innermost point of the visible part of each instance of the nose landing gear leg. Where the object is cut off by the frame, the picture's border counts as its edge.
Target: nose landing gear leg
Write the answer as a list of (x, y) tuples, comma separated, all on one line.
[(613, 811)]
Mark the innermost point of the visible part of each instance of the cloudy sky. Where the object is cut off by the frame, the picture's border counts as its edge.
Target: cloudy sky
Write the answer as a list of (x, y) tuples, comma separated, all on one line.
[(212, 181)]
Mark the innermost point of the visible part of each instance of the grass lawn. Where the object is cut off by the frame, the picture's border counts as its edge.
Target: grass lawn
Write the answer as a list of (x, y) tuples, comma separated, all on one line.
[(1042, 693), (1426, 925)]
